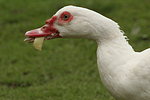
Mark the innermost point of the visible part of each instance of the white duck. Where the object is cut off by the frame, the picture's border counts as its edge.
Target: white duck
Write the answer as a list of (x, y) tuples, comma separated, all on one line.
[(124, 72)]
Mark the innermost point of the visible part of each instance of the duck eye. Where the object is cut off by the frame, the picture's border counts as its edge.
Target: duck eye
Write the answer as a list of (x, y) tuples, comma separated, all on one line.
[(66, 17)]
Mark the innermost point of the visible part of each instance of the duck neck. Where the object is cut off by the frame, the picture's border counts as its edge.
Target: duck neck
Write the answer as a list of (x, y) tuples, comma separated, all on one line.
[(111, 56), (113, 53)]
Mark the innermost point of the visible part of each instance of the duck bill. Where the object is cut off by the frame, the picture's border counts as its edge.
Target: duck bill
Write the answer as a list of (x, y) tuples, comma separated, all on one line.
[(46, 31)]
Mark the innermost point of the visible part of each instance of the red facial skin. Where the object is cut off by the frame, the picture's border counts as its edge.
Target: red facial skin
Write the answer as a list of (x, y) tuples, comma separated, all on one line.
[(49, 29), (64, 20)]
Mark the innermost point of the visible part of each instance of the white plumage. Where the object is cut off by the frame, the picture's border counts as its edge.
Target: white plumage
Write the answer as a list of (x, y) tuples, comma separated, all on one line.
[(124, 72)]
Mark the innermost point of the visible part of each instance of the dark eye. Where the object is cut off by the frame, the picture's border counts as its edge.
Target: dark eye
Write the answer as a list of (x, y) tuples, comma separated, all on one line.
[(66, 17)]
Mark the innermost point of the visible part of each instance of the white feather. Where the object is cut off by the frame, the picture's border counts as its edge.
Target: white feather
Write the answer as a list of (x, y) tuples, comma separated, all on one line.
[(124, 72)]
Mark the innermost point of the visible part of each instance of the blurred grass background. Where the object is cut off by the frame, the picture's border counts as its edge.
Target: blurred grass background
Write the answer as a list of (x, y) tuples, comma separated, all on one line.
[(66, 68)]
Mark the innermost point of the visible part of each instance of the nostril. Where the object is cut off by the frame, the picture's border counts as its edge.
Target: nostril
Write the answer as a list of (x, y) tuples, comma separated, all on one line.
[(43, 28)]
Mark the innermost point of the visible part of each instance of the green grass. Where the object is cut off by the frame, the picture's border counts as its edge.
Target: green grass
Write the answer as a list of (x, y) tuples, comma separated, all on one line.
[(66, 68)]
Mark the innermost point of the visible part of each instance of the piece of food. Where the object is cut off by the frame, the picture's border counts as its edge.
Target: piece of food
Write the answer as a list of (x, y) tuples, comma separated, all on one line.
[(38, 42)]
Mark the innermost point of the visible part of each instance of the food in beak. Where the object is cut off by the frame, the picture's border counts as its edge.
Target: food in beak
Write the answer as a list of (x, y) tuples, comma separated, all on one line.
[(44, 33), (38, 42)]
